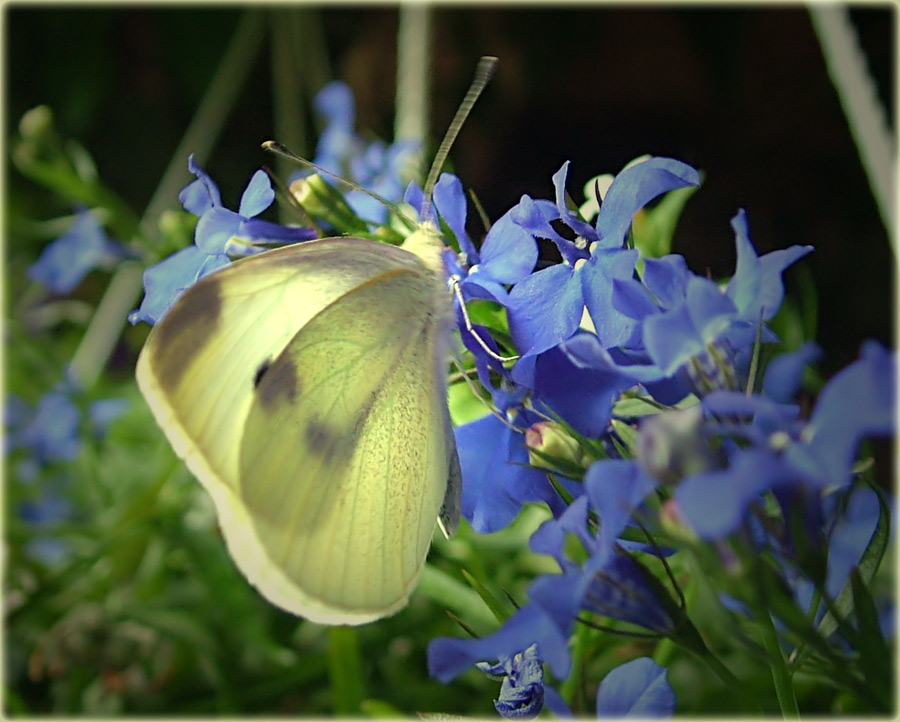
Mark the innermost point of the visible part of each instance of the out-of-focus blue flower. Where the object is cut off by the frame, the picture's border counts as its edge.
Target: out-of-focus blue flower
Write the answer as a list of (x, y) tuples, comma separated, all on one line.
[(546, 307), (784, 453), (638, 688), (65, 262), (51, 432), (522, 690), (380, 168), (220, 235), (221, 231)]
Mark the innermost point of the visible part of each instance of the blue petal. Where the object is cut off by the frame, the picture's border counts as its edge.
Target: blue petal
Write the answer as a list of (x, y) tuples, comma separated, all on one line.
[(583, 229), (858, 402), (257, 231), (167, 280), (447, 658), (258, 195), (450, 201), (582, 397), (632, 189), (613, 327), (667, 278), (215, 228), (714, 503), (545, 308), (202, 194), (756, 287), (495, 482), (638, 688), (785, 372), (615, 487), (509, 252)]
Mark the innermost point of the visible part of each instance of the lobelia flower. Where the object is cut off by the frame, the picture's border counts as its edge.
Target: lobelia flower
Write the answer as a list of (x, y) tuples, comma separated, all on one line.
[(383, 169), (546, 308), (51, 434), (691, 335), (67, 260), (609, 582), (220, 235), (786, 454), (493, 459), (522, 690)]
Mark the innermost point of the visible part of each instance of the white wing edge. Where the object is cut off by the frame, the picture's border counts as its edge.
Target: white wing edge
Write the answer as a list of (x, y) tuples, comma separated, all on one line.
[(237, 528)]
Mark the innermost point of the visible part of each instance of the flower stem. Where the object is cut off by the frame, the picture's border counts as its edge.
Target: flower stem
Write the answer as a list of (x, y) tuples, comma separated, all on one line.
[(781, 675), (344, 671)]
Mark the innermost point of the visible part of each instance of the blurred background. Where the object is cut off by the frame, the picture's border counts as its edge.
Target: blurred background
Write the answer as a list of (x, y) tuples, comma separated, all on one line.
[(152, 616), (742, 95)]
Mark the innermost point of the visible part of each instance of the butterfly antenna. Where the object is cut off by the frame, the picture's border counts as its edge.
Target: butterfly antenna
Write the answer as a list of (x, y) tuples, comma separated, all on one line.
[(483, 74), (278, 149)]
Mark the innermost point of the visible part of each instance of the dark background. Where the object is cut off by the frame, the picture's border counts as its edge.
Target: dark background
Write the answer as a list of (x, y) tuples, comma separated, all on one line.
[(741, 94)]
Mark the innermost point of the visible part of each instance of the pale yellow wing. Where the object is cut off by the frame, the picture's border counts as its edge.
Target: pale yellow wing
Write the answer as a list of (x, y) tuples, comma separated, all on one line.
[(206, 366), (360, 394)]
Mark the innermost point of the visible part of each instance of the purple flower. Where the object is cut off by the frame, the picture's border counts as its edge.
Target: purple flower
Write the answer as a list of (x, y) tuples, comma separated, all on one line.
[(65, 262), (706, 329), (638, 688)]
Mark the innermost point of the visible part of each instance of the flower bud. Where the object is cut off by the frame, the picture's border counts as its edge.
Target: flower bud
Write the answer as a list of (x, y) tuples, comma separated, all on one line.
[(672, 445), (550, 439)]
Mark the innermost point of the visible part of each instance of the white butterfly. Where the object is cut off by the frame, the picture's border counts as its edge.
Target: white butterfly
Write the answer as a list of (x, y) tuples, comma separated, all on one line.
[(305, 387)]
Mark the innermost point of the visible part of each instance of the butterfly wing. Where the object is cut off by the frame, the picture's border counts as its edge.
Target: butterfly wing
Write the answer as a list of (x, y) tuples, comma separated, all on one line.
[(305, 389)]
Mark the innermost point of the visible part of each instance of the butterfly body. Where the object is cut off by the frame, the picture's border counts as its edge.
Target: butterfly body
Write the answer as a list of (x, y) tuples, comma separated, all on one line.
[(305, 387)]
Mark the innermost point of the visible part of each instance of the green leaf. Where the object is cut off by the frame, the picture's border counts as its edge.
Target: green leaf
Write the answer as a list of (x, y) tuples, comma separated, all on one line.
[(875, 657), (487, 597)]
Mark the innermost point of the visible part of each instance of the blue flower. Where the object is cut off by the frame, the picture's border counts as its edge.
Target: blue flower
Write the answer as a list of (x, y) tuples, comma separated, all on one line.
[(493, 459), (706, 330), (380, 168), (522, 690), (638, 688), (783, 452), (65, 262), (51, 432), (546, 308), (220, 235)]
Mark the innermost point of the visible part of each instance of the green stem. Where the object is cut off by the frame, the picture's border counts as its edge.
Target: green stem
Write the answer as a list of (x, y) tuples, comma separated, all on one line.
[(124, 290), (732, 682), (345, 671), (781, 675)]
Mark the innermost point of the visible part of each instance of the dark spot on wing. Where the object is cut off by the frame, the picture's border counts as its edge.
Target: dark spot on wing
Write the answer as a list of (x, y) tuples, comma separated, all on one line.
[(277, 381), (260, 372), (185, 330), (329, 442)]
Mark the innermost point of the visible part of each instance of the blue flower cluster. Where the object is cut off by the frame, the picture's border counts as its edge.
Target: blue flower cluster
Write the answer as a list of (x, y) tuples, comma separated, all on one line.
[(606, 323)]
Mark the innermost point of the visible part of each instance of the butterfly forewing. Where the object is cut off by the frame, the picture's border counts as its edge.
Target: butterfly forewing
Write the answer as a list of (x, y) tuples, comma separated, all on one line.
[(304, 387)]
